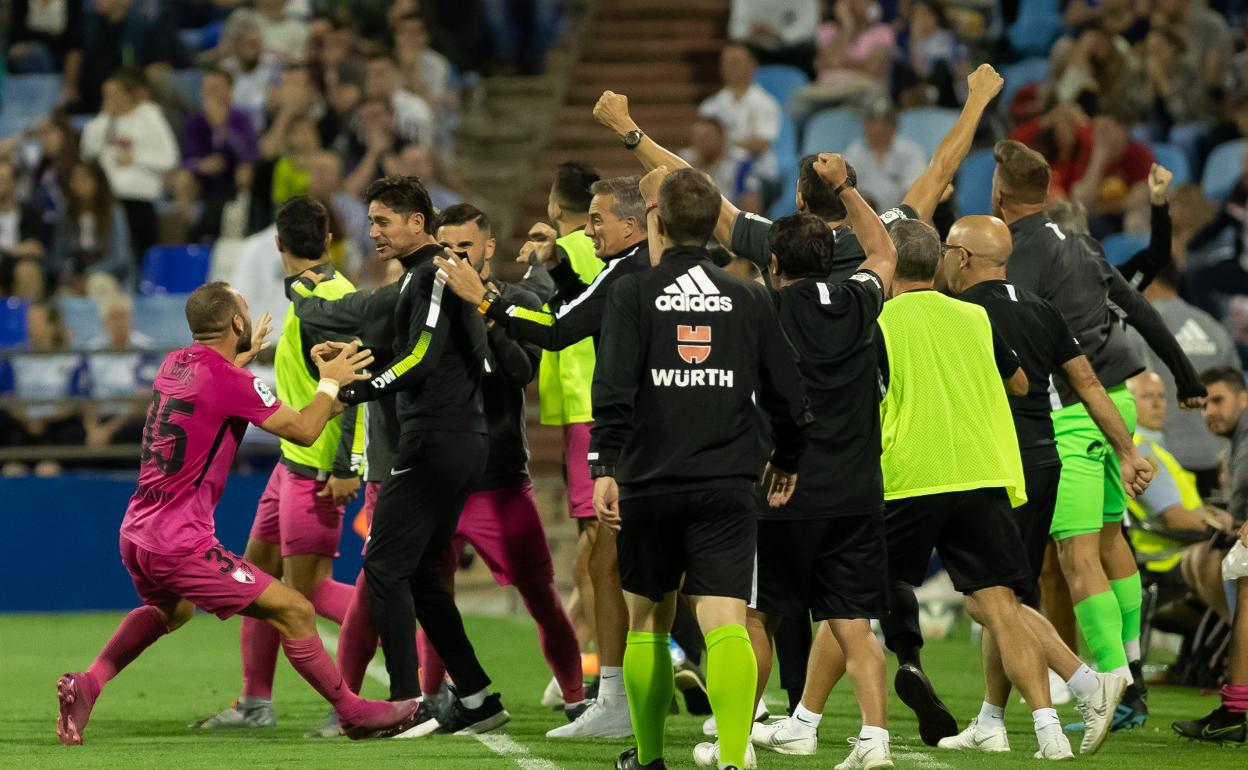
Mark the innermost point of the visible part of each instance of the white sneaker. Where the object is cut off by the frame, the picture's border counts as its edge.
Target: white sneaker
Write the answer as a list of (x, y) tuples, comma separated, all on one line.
[(707, 755), (603, 719), (977, 738), (867, 755), (1056, 747), (710, 728), (553, 697), (1098, 711), (785, 736)]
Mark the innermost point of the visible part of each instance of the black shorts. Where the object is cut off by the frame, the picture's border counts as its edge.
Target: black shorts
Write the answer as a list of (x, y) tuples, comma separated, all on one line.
[(1034, 518), (706, 536), (973, 531), (833, 569)]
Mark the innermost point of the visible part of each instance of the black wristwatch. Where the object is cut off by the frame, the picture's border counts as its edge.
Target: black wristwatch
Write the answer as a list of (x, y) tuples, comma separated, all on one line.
[(842, 187), (598, 471), (632, 138)]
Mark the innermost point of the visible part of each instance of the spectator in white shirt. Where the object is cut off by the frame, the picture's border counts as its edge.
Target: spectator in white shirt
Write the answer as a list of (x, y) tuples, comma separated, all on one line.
[(281, 36), (135, 145), (120, 371), (887, 164), (730, 166), (778, 31), (750, 116), (412, 116), (253, 70), (426, 72)]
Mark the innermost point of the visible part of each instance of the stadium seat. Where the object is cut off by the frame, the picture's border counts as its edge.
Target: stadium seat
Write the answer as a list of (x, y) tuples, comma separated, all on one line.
[(1033, 70), (174, 269), (1174, 159), (1038, 24), (1223, 169), (926, 126), (12, 322), (831, 130), (973, 185), (781, 81), (163, 318), (1120, 247), (82, 317), (27, 98)]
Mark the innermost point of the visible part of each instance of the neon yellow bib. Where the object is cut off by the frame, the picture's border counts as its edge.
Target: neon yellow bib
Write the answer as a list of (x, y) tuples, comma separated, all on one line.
[(565, 376)]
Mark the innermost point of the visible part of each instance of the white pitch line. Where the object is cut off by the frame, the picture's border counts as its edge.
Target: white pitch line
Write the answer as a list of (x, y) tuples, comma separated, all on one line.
[(921, 759), (502, 745)]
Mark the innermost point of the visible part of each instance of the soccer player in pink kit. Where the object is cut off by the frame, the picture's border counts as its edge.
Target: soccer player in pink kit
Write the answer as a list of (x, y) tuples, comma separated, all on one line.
[(202, 401)]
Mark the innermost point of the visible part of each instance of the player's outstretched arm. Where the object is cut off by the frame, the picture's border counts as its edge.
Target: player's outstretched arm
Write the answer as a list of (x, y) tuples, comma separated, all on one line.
[(926, 191), (879, 248), (339, 364), (1144, 265), (1136, 471)]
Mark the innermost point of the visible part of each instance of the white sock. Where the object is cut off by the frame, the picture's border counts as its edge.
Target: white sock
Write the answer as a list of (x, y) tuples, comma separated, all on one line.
[(1133, 650), (806, 718), (990, 715), (1083, 682), (869, 733), (611, 682), (1047, 724), (1125, 673), (474, 701), (251, 701)]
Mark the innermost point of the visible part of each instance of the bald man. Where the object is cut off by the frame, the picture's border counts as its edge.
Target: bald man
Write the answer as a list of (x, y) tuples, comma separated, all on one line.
[(973, 268)]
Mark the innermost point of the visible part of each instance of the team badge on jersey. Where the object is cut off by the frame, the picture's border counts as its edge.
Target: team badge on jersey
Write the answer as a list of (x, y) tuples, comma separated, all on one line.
[(693, 343), (243, 574), (262, 390)]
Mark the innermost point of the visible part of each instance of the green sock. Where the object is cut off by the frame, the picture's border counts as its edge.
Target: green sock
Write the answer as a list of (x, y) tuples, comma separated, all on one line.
[(731, 676), (1129, 592), (1101, 623), (648, 682)]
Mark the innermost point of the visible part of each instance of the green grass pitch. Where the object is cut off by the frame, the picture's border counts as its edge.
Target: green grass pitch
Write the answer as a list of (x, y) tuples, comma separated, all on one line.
[(141, 719)]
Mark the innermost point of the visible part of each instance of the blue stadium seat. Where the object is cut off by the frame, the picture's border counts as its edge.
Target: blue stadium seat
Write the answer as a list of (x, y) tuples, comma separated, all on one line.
[(82, 317), (1174, 159), (1120, 247), (174, 269), (1033, 70), (926, 126), (781, 81), (26, 99), (189, 83), (831, 130), (973, 185), (1038, 24), (163, 318), (1223, 169), (12, 322)]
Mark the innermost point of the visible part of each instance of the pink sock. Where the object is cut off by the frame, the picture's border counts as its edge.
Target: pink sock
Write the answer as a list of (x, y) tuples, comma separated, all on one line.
[(1235, 698), (432, 669), (357, 639), (258, 642), (557, 637), (134, 634), (331, 599), (309, 658)]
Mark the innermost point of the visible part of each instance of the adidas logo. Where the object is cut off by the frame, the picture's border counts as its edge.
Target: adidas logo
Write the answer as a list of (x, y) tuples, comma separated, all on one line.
[(693, 291)]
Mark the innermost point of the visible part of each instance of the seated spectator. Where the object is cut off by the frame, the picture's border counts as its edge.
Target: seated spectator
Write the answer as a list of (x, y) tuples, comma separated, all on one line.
[(219, 146), (413, 117), (1111, 177), (120, 371), (92, 237), (295, 96), (136, 147), (253, 70), (44, 163), (856, 48), (777, 31), (42, 33), (116, 34), (1173, 92), (282, 35), (887, 164), (730, 166), (1120, 17), (182, 217), (349, 223), (49, 374), (414, 160), (372, 146), (1208, 39), (344, 92), (750, 116), (425, 72), (23, 235), (932, 63), (1097, 71)]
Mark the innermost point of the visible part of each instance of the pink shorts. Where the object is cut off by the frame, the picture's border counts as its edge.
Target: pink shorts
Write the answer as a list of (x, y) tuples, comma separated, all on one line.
[(505, 529), (213, 579), (580, 485), (290, 513)]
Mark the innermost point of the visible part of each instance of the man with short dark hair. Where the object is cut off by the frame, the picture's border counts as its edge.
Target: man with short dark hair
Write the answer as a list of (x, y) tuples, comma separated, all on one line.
[(685, 338), (730, 166)]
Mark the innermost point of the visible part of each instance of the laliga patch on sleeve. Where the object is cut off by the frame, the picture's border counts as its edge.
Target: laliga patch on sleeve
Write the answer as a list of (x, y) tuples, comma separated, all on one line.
[(892, 215), (262, 390)]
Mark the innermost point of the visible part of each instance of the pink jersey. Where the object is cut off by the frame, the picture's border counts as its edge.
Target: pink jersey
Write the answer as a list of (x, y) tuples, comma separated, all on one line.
[(201, 404)]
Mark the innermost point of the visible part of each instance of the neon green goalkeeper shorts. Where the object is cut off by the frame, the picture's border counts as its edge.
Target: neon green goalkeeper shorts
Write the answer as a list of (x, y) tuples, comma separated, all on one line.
[(1090, 493)]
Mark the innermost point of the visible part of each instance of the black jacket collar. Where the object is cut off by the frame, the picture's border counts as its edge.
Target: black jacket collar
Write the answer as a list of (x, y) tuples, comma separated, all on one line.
[(421, 255), (326, 269)]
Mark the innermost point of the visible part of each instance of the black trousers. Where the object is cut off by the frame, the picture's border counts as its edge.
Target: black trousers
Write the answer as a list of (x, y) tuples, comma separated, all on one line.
[(793, 639), (413, 522)]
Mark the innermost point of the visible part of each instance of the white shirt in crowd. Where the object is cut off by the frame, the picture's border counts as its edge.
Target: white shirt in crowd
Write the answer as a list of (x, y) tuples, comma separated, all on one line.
[(154, 149), (885, 179), (259, 276), (53, 376), (755, 115), (252, 88), (413, 118), (10, 229), (793, 21), (288, 38), (734, 173)]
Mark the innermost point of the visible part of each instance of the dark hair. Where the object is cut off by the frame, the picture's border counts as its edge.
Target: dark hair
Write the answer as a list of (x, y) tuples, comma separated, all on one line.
[(302, 223), (817, 194), (130, 81), (572, 183), (918, 249), (100, 206), (1023, 173), (1230, 376), (689, 206), (802, 244), (405, 194), (210, 309), (626, 201), (462, 214)]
